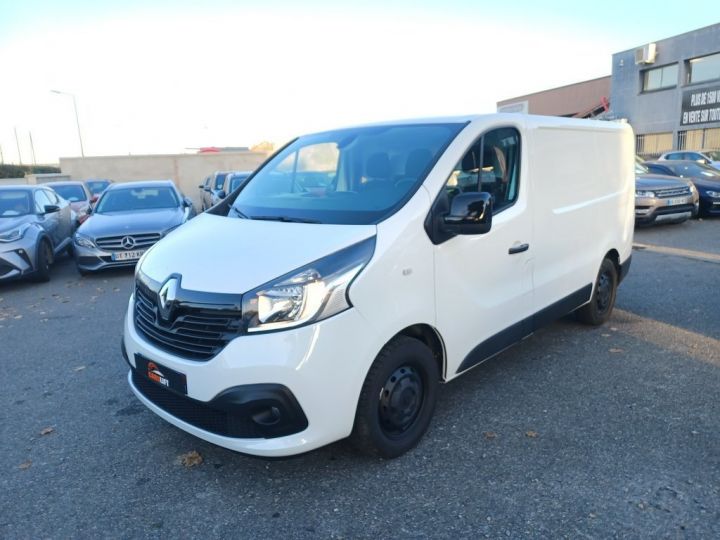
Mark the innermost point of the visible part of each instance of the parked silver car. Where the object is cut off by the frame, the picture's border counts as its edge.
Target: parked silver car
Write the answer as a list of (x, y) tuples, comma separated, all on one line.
[(210, 187), (231, 183), (126, 221), (706, 157), (35, 226), (79, 197)]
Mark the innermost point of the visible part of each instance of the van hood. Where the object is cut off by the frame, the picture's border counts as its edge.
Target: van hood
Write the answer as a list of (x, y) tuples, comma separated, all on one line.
[(230, 255)]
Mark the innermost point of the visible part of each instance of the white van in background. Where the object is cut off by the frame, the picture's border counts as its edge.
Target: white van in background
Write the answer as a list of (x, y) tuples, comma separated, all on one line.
[(357, 269)]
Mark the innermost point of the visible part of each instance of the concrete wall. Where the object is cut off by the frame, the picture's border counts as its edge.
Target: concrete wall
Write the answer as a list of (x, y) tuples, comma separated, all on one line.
[(660, 110), (187, 170)]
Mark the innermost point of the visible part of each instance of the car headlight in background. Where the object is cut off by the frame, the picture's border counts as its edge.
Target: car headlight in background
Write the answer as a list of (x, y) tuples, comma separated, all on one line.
[(309, 294), (84, 241), (14, 234), (644, 193), (714, 194)]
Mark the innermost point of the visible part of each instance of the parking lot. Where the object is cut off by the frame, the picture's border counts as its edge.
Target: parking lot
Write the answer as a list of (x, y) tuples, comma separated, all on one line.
[(578, 431)]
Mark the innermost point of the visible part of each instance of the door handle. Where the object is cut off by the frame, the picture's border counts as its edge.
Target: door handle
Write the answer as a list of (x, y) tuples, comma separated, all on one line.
[(518, 249)]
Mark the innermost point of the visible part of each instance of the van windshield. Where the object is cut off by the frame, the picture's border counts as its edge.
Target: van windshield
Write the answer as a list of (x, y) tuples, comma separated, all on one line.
[(352, 176)]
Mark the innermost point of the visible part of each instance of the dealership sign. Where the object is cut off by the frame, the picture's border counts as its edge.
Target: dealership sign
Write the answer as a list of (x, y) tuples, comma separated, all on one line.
[(700, 106)]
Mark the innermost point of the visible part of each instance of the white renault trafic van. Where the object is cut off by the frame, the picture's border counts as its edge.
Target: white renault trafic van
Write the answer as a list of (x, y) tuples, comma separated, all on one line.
[(331, 293)]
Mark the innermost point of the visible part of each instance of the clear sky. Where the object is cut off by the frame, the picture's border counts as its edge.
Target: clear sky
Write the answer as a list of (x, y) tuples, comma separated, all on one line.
[(160, 76)]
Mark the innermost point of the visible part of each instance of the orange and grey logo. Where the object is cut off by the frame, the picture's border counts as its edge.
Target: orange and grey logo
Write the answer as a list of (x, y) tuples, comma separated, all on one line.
[(156, 375)]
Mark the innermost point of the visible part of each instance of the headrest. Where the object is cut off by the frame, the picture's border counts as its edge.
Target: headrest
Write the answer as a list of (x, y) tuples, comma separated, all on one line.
[(378, 166), (417, 161)]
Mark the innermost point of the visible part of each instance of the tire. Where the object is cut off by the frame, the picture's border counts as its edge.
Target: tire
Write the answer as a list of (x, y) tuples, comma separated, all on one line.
[(69, 250), (600, 307), (43, 262), (397, 399)]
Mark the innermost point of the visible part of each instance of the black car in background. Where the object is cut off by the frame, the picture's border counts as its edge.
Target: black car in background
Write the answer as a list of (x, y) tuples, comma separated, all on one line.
[(705, 178)]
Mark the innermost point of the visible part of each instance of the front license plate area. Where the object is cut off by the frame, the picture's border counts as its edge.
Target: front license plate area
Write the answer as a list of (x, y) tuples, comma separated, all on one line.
[(673, 202), (127, 255), (161, 375)]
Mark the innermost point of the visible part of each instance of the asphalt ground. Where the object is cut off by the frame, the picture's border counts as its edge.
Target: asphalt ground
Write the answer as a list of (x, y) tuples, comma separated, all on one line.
[(576, 432)]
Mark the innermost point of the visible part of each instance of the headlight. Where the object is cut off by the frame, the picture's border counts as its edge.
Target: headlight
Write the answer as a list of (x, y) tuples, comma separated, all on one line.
[(309, 294), (692, 187), (14, 234), (713, 194), (644, 193), (84, 241)]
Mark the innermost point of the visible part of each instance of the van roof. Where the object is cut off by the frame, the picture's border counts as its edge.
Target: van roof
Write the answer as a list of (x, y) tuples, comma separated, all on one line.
[(530, 120)]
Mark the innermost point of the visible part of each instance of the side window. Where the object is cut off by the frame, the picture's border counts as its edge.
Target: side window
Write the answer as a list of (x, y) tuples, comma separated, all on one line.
[(41, 200), (492, 165), (52, 196)]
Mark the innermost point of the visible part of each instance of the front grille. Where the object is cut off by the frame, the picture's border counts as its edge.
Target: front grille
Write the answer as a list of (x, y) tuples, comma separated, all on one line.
[(672, 192), (196, 333), (197, 413), (115, 243)]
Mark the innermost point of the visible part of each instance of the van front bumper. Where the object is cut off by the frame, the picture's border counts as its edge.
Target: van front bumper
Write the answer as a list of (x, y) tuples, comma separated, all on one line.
[(271, 394)]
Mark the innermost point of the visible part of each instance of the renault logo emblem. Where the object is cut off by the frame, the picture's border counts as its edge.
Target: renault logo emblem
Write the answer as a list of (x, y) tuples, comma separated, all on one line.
[(167, 297), (128, 242)]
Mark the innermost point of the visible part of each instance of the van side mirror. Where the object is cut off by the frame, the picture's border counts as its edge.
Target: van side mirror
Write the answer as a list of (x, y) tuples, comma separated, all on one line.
[(51, 208), (470, 213), (221, 194)]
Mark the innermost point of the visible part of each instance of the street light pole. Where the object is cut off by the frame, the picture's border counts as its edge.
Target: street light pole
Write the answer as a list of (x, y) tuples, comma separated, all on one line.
[(77, 119)]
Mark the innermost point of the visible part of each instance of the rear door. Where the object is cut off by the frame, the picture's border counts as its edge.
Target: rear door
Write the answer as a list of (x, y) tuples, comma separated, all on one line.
[(484, 282)]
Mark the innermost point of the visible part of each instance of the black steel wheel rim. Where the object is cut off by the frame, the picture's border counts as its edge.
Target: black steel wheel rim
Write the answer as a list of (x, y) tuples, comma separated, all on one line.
[(604, 291), (401, 399)]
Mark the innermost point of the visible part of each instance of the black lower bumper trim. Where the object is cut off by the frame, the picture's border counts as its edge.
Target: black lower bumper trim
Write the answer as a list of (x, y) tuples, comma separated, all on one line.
[(250, 411)]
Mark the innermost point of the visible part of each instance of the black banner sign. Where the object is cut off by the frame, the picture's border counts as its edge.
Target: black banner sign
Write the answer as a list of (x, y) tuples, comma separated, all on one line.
[(700, 106)]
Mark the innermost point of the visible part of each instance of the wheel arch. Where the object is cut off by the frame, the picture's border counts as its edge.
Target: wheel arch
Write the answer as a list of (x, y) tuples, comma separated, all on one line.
[(428, 335)]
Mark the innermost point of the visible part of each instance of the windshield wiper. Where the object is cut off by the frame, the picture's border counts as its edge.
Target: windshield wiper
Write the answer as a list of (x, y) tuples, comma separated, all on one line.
[(286, 219), (238, 213)]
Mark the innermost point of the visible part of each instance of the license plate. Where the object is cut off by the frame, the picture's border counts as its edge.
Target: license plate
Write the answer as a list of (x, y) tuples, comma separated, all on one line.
[(127, 255), (162, 375), (673, 202)]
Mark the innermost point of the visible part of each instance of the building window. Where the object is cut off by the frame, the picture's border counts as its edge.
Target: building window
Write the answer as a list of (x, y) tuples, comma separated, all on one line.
[(699, 139), (704, 69), (690, 140), (662, 77), (651, 145)]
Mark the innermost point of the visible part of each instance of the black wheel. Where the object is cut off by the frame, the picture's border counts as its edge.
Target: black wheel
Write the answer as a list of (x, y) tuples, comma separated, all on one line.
[(44, 260), (397, 399), (598, 310), (69, 250)]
